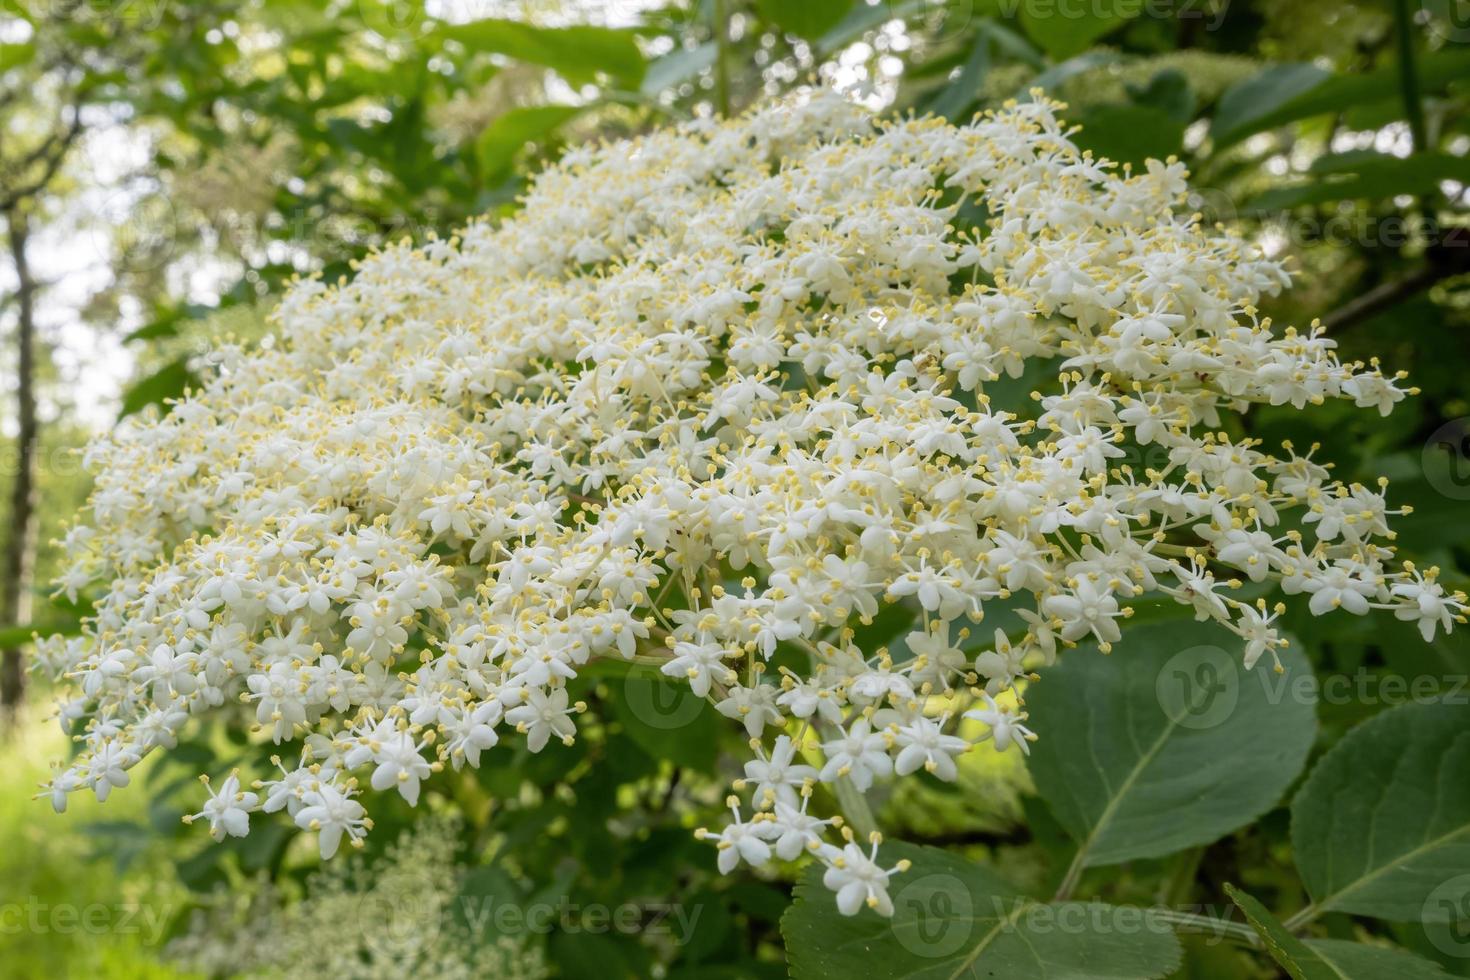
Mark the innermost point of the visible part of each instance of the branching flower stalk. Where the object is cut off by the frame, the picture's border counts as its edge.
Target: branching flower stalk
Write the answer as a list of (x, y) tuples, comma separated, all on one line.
[(711, 400)]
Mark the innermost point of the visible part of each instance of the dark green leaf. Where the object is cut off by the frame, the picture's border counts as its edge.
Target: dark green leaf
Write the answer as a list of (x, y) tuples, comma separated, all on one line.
[(169, 381), (1166, 743), (1129, 133), (1286, 93), (1168, 92), (1328, 959), (954, 919), (1356, 961), (1249, 106), (1382, 825), (668, 721), (1367, 178)]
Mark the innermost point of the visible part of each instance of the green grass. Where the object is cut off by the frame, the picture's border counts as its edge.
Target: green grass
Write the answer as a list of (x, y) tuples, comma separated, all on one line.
[(65, 909)]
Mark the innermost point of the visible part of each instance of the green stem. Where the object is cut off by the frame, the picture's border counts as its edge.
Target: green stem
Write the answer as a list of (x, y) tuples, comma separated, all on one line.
[(1205, 925), (1303, 917), (1073, 875), (1409, 76), (722, 64), (855, 808), (1414, 108)]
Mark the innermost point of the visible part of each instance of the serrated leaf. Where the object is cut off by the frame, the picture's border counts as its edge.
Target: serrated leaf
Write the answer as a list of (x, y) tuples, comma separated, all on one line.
[(1328, 959), (1289, 952), (1381, 827), (954, 919), (1166, 743)]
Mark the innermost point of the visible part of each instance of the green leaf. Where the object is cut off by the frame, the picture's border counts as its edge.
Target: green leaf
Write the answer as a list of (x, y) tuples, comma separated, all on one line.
[(954, 919), (1166, 743), (1381, 827), (1286, 93), (808, 19), (1128, 133), (1168, 92), (12, 636), (668, 721), (1071, 68), (576, 52), (16, 55), (501, 142), (489, 904), (1356, 961), (591, 956), (169, 381), (1289, 952), (1361, 177), (1249, 105), (1328, 959), (678, 66), (960, 95), (1064, 29)]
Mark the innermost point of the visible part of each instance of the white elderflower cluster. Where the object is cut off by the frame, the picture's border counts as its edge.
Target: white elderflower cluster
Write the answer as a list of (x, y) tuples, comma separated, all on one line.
[(712, 401)]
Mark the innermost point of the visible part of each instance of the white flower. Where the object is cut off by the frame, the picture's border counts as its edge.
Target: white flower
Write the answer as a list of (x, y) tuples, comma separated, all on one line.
[(1005, 728), (924, 745), (1429, 606), (227, 810), (858, 880), (778, 777), (400, 766), (740, 841), (332, 812), (544, 715), (860, 754), (454, 482)]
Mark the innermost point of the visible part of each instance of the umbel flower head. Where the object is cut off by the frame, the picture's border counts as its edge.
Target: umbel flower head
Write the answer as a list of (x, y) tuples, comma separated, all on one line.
[(714, 400)]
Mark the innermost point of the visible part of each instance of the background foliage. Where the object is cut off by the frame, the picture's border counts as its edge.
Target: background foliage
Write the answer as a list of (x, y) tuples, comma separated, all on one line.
[(200, 155)]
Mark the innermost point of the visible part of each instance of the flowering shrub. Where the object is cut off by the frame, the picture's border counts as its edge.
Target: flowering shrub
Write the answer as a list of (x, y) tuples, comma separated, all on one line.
[(712, 400), (389, 918)]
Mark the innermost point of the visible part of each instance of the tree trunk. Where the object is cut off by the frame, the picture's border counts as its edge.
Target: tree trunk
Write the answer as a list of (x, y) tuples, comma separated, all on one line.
[(20, 545)]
